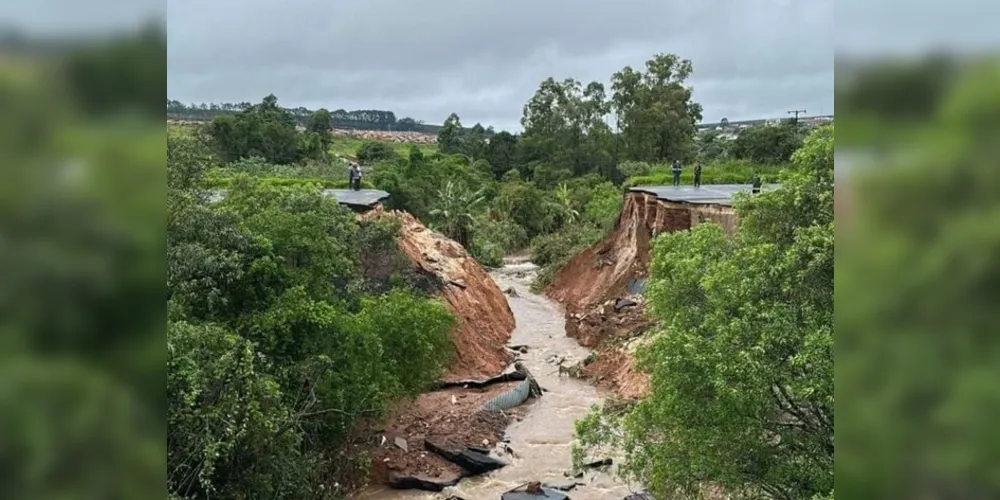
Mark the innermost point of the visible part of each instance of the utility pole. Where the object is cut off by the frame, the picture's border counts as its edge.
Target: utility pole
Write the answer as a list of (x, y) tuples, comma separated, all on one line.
[(796, 112)]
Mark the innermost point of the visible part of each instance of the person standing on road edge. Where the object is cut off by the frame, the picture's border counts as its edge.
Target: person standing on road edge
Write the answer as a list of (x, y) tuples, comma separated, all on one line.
[(677, 173), (354, 178), (756, 183), (697, 175)]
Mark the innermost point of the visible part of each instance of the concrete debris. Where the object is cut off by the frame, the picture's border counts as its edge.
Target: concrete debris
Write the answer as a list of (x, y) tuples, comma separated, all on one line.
[(599, 463), (623, 303), (401, 443), (564, 486), (538, 493)]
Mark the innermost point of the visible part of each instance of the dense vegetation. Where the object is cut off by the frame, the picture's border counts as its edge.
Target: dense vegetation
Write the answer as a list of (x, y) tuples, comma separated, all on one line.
[(742, 373), (285, 339), (289, 326), (916, 283), (83, 360), (554, 188)]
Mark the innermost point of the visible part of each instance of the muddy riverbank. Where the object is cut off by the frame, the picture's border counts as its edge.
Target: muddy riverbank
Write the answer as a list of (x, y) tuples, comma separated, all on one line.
[(540, 441)]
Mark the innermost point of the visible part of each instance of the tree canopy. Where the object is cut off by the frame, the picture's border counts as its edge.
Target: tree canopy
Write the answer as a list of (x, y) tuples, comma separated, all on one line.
[(282, 337), (742, 369)]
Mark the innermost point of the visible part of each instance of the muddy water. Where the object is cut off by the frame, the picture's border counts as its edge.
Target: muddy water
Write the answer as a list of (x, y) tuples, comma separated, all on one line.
[(542, 439)]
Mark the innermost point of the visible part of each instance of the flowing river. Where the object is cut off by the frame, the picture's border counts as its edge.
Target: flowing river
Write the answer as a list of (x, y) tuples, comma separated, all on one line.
[(542, 440)]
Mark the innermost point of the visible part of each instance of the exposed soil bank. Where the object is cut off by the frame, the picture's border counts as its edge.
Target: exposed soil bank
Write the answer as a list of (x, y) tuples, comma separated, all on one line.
[(485, 320), (601, 287), (541, 431), (484, 325)]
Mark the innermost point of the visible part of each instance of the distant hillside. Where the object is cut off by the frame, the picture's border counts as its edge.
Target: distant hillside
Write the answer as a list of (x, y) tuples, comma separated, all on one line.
[(365, 119)]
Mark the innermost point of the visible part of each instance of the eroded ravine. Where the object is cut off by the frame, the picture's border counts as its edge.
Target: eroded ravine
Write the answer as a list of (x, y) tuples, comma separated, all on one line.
[(542, 439)]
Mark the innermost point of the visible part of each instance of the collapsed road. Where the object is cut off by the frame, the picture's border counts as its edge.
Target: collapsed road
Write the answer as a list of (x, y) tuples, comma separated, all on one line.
[(531, 435)]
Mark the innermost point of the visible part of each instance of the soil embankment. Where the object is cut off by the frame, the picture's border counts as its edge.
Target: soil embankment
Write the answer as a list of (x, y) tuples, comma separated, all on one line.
[(485, 320), (601, 287), (537, 444), (449, 417)]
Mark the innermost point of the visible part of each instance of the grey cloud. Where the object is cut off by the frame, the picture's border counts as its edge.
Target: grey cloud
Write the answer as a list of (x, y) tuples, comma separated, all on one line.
[(59, 17), (483, 60)]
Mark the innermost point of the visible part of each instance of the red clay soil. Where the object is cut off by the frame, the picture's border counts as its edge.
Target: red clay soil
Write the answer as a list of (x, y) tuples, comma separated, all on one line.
[(485, 320), (615, 370), (602, 271), (605, 329), (591, 282), (447, 418)]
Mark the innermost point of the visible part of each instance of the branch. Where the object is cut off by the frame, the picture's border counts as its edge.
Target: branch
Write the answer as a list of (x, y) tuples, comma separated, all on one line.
[(787, 403)]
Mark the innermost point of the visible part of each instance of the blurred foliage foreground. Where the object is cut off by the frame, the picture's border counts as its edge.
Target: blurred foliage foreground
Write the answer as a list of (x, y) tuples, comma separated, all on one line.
[(81, 249), (916, 290), (278, 341)]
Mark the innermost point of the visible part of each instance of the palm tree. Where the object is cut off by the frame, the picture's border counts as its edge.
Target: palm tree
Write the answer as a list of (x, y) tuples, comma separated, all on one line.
[(455, 211), (564, 204)]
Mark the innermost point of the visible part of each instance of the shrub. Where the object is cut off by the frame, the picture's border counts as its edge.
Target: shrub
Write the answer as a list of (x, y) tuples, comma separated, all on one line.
[(634, 168)]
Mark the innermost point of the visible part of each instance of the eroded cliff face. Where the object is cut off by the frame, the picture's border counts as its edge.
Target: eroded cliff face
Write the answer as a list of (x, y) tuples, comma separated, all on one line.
[(485, 323), (485, 320), (601, 287)]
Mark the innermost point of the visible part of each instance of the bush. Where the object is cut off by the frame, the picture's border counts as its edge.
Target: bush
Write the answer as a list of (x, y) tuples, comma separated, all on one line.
[(634, 168), (375, 151), (278, 349), (552, 251)]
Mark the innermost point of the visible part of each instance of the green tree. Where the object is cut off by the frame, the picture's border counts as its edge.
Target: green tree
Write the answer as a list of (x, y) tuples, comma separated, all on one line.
[(564, 205), (501, 153), (767, 144), (710, 146), (455, 211), (449, 138), (742, 372), (320, 122), (263, 130), (527, 205), (474, 142), (565, 131), (320, 125), (656, 115), (375, 151)]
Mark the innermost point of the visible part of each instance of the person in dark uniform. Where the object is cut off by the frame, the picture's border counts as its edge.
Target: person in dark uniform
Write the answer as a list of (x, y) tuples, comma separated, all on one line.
[(755, 182), (677, 173), (697, 175), (354, 177)]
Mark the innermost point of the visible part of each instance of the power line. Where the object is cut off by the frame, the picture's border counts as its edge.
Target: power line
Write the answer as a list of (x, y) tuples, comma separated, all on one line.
[(796, 112)]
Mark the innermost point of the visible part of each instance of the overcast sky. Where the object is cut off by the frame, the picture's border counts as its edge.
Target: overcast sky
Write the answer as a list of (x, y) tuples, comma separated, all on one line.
[(484, 59)]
